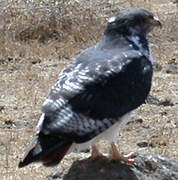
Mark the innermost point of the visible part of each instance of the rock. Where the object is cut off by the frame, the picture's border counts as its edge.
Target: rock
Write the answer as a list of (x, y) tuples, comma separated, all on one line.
[(166, 102), (143, 144), (157, 67), (152, 100), (147, 167), (172, 69), (175, 1)]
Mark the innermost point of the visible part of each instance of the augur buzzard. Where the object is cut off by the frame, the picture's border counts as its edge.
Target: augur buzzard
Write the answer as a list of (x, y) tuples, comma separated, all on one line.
[(96, 91)]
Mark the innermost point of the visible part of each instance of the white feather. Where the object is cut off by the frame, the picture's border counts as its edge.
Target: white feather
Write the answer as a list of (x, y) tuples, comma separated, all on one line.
[(40, 122), (112, 19)]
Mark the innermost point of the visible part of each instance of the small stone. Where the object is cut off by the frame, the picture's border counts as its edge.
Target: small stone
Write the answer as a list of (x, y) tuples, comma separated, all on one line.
[(172, 69), (143, 144)]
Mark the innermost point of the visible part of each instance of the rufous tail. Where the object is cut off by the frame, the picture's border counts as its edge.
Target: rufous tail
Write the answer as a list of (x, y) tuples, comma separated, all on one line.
[(48, 149)]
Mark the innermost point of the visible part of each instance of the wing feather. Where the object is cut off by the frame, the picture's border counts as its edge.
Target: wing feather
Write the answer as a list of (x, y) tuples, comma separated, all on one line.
[(93, 90)]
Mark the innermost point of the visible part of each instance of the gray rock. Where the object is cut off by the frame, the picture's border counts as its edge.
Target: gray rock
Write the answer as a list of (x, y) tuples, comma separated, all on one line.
[(172, 69), (152, 100), (147, 167)]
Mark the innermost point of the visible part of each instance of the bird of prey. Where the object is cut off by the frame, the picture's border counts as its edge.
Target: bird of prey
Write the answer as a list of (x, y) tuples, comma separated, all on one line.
[(96, 92)]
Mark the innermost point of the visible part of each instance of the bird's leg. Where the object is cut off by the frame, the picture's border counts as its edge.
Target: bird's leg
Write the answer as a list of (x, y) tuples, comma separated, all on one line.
[(115, 155), (95, 153)]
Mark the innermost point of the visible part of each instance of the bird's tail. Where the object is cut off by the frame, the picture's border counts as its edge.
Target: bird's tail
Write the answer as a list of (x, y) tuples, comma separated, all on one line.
[(46, 148)]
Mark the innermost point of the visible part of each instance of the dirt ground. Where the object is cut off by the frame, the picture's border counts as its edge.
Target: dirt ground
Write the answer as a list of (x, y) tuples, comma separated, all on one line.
[(38, 38)]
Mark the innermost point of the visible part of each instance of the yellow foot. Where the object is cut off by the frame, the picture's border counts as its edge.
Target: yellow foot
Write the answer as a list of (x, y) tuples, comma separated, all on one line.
[(95, 153), (115, 155)]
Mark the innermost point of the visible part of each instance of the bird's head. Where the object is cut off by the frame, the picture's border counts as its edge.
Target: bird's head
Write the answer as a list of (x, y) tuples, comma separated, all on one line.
[(134, 19)]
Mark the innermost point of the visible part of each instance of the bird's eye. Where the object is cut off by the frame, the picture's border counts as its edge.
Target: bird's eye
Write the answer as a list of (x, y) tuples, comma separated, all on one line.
[(151, 16)]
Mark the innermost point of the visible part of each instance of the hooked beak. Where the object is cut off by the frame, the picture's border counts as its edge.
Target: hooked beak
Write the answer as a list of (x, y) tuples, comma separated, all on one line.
[(156, 22)]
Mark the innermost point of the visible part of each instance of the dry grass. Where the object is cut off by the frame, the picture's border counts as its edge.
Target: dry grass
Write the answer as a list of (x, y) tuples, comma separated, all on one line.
[(37, 39)]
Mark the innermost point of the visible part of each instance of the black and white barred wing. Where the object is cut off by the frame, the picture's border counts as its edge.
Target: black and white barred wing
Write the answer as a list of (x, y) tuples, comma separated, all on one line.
[(92, 93)]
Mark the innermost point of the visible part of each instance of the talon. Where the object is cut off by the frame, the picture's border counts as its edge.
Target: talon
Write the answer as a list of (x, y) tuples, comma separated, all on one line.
[(95, 153), (115, 155)]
